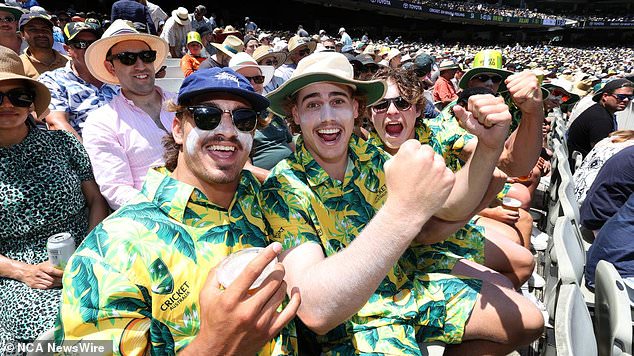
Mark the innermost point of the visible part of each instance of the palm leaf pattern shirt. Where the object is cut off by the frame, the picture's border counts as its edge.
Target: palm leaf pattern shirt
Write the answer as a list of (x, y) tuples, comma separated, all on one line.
[(447, 139), (137, 277), (303, 204)]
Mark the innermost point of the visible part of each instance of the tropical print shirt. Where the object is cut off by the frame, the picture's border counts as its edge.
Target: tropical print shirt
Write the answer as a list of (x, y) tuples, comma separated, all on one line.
[(137, 277), (302, 203)]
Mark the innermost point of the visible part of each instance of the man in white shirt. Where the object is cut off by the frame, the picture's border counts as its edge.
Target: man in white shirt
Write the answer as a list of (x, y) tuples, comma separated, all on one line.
[(175, 32)]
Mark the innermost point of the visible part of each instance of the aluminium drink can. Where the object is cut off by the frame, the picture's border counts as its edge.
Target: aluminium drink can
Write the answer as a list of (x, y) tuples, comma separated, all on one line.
[(60, 247)]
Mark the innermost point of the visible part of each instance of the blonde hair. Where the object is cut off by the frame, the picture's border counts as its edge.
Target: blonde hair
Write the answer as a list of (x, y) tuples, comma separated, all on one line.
[(622, 135)]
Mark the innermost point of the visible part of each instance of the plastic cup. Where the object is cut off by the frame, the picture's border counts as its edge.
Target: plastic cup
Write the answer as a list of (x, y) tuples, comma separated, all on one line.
[(511, 204), (232, 266)]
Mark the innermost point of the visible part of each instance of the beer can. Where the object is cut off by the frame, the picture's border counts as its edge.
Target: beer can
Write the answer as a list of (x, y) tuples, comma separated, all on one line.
[(60, 247)]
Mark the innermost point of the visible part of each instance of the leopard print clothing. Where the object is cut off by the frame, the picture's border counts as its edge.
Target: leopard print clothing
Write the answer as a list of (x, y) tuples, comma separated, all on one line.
[(40, 195)]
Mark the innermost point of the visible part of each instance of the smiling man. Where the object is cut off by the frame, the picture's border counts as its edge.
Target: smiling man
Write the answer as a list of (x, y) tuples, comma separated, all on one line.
[(145, 278), (123, 138), (39, 57)]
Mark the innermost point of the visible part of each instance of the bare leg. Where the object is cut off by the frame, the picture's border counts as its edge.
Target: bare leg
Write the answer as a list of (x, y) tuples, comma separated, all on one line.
[(501, 321)]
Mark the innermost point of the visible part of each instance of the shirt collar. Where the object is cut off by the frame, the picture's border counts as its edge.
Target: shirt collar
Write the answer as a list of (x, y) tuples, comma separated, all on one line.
[(359, 151), (172, 196)]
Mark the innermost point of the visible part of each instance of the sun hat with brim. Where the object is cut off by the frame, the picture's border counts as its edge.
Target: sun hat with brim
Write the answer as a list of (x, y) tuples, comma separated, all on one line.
[(219, 80), (11, 67), (181, 16), (296, 42), (231, 46), (15, 11), (564, 85), (447, 64), (324, 67), (119, 31), (263, 52), (486, 61), (244, 60), (610, 87)]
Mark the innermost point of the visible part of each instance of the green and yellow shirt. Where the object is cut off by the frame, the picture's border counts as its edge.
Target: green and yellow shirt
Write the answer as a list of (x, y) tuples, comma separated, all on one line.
[(137, 277), (304, 204)]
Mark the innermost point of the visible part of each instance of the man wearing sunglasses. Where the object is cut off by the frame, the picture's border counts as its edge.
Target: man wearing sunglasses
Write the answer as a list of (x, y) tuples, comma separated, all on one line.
[(161, 293), (74, 90), (123, 137), (596, 122), (9, 37), (298, 48)]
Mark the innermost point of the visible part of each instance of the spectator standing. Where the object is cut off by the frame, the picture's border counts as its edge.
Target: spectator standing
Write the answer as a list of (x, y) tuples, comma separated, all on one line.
[(47, 187), (250, 27), (132, 10), (175, 31), (9, 36), (301, 32), (346, 40), (123, 137), (156, 13), (39, 57), (198, 19), (74, 90), (596, 122)]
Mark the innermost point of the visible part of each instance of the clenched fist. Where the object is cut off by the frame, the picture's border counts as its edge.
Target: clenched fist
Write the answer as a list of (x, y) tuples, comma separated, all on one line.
[(487, 117), (418, 182), (526, 92)]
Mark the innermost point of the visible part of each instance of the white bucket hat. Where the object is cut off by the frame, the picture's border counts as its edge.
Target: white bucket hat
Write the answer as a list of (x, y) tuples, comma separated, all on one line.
[(244, 60)]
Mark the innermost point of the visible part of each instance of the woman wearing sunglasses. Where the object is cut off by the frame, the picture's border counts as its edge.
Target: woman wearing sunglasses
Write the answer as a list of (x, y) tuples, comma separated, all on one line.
[(396, 119), (273, 141), (46, 187)]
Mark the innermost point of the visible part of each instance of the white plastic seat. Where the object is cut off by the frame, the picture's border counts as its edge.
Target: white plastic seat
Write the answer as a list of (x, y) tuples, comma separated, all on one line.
[(172, 62), (571, 257), (436, 348), (171, 85), (174, 72), (612, 311), (574, 335)]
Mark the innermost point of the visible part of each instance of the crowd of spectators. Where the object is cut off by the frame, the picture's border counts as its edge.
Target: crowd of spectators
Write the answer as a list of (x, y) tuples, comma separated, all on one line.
[(151, 185)]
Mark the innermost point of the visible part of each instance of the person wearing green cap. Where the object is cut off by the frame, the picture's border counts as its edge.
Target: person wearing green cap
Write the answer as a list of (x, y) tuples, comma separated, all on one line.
[(191, 61), (347, 215)]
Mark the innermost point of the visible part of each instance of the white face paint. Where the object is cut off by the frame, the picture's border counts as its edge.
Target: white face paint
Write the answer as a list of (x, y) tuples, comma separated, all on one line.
[(197, 136)]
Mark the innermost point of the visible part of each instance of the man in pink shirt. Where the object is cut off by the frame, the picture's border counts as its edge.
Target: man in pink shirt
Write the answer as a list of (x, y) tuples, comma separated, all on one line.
[(444, 90), (123, 138)]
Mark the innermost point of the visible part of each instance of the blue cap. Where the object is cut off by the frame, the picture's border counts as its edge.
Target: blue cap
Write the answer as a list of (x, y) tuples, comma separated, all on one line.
[(222, 80)]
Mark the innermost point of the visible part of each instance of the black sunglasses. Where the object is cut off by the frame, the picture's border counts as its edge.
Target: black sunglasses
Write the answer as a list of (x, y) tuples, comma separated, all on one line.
[(257, 79), (209, 117), (270, 62), (622, 97), (400, 103), (129, 58), (485, 78), (304, 52), (7, 19), (81, 44), (19, 97)]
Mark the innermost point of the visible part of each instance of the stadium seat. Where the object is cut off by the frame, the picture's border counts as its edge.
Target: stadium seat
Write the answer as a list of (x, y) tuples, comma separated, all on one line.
[(169, 84), (172, 62), (174, 72), (432, 349), (571, 257), (612, 311), (574, 335)]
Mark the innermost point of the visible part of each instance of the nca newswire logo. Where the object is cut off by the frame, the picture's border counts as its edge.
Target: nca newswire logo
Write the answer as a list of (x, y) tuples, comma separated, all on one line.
[(381, 2)]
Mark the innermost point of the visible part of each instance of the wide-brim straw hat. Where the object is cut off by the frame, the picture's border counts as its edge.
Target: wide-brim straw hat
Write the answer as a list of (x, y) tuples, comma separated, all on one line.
[(11, 67), (119, 31), (564, 85), (263, 52), (15, 11), (329, 67), (486, 61), (181, 16), (296, 43), (231, 46), (244, 60)]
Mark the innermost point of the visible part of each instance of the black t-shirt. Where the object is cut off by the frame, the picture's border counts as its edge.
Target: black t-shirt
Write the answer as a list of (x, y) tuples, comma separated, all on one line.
[(610, 190), (590, 127)]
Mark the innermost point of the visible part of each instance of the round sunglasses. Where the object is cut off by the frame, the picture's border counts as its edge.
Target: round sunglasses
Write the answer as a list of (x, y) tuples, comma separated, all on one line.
[(129, 58), (18, 97), (399, 102), (209, 117)]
